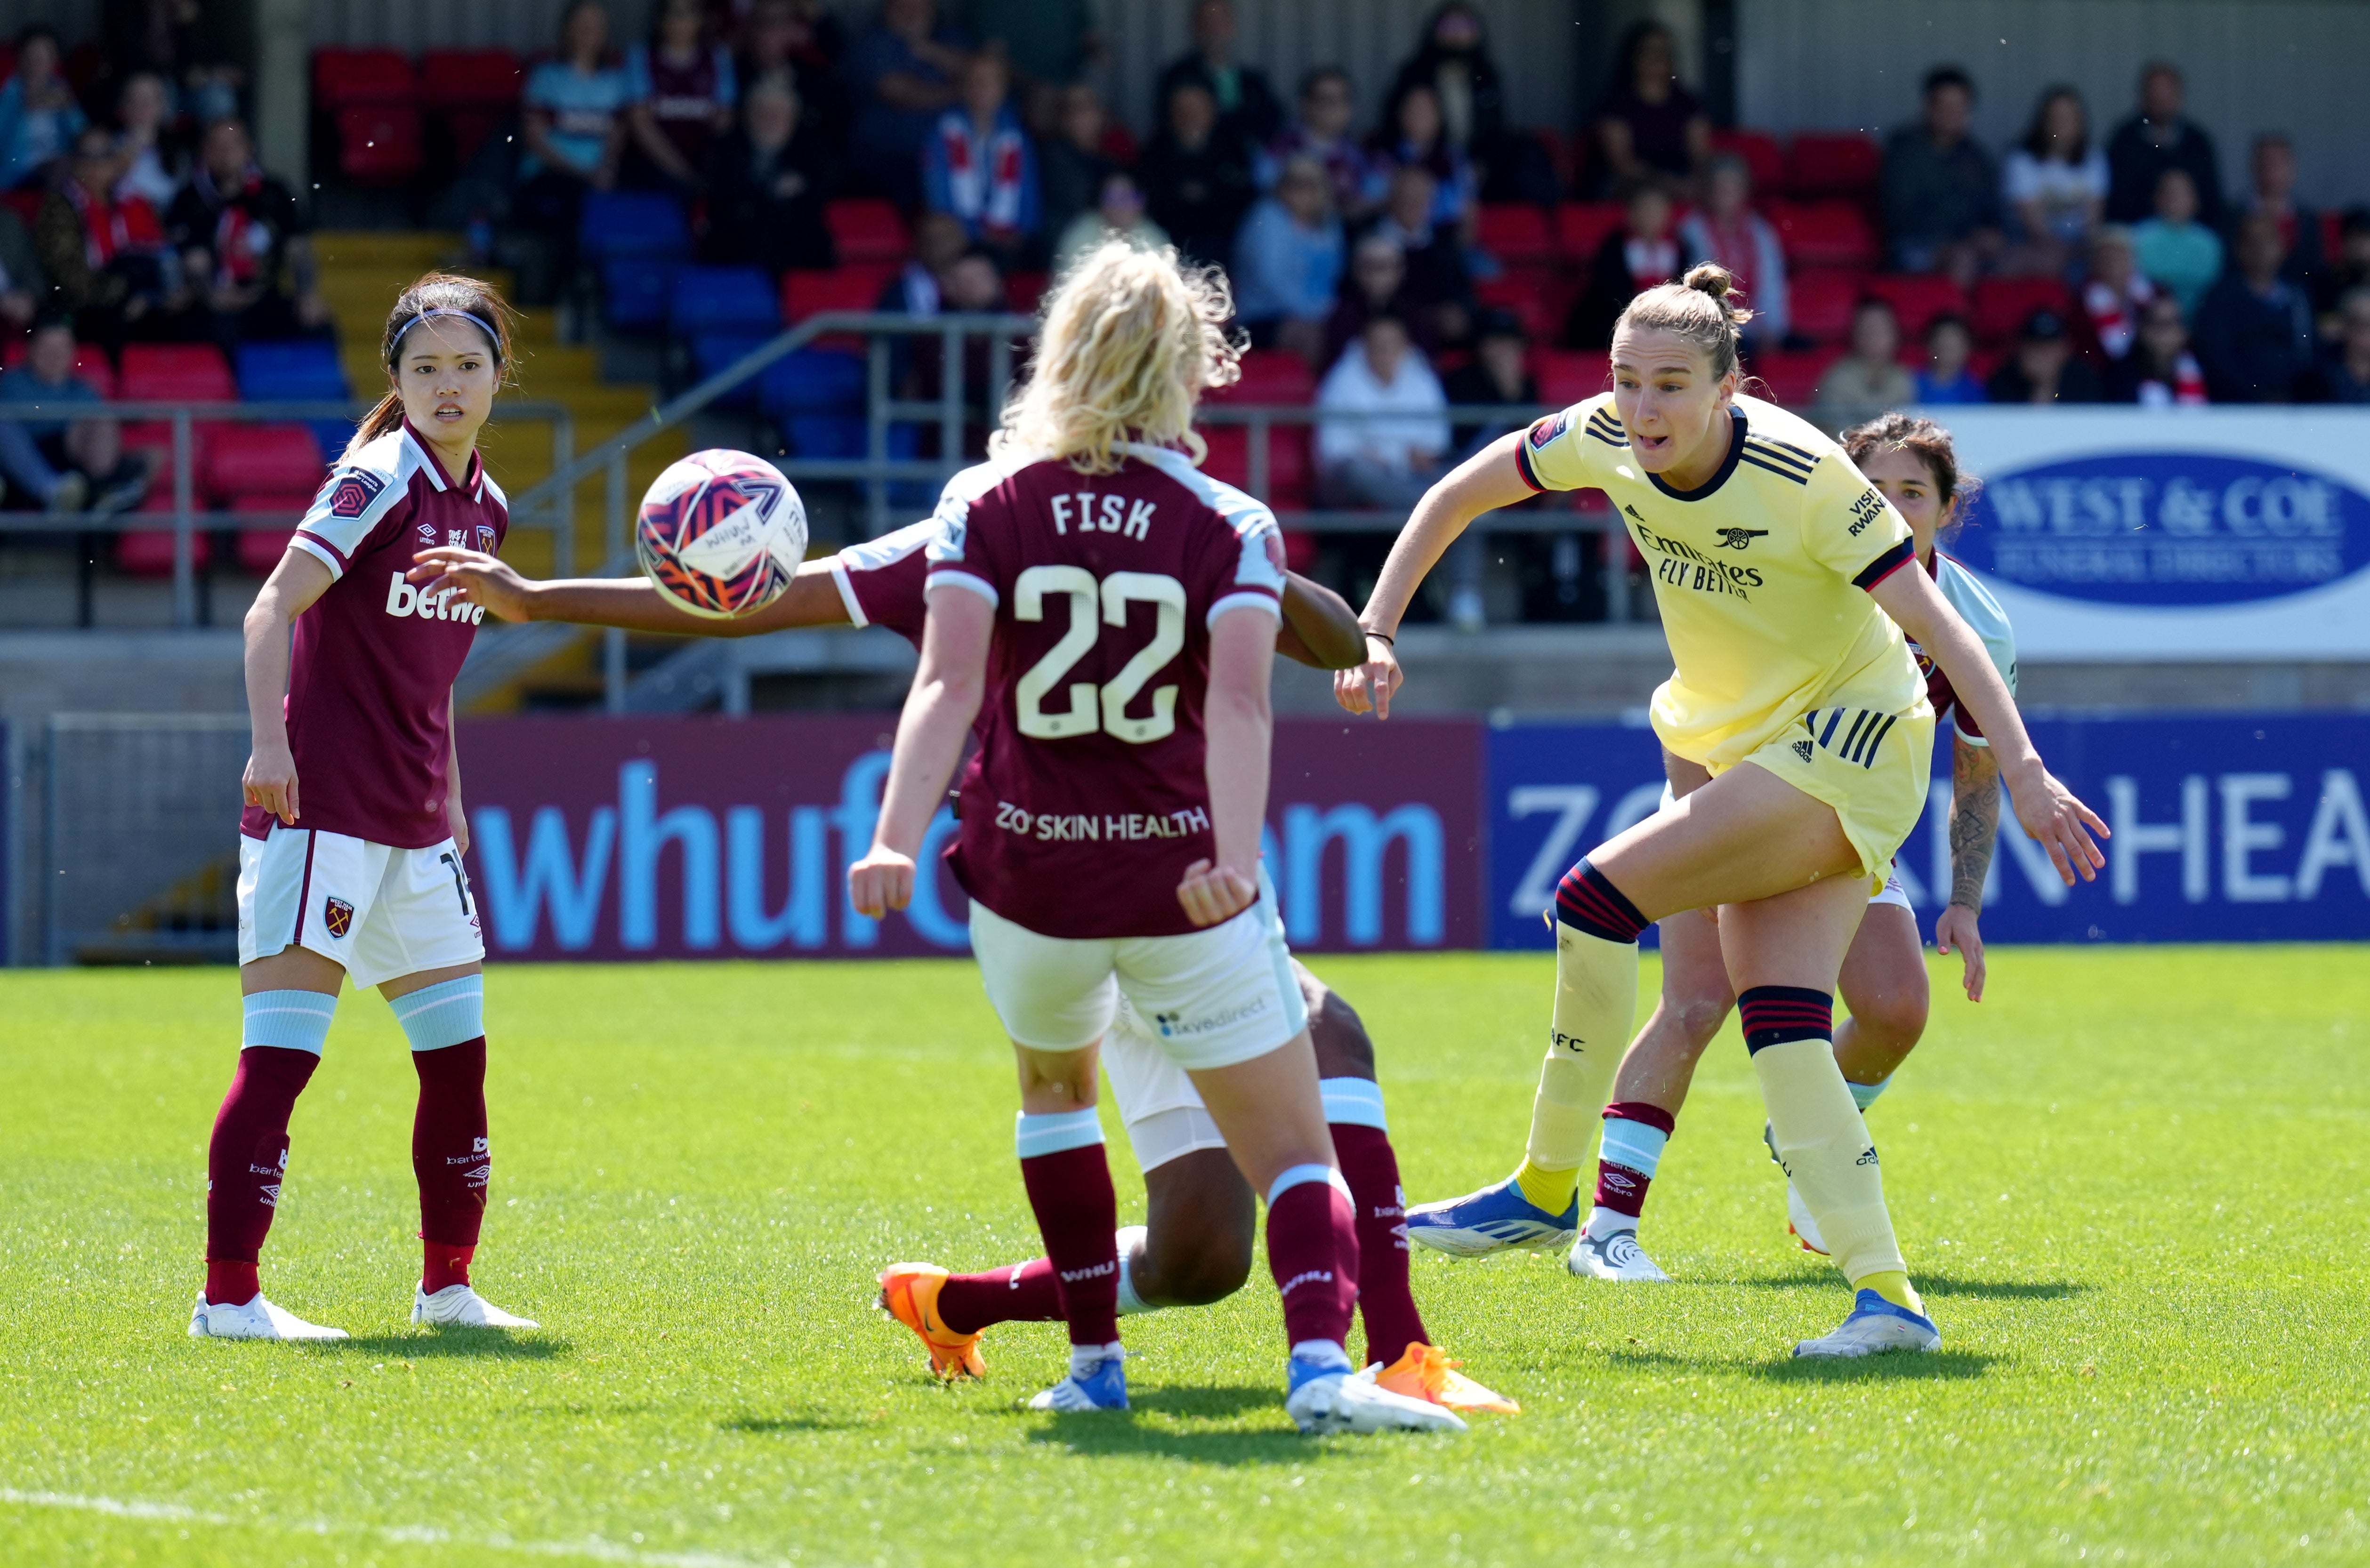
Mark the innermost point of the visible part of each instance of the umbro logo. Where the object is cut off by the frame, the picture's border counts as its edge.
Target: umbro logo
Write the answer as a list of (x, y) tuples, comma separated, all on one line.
[(1739, 538), (1803, 748)]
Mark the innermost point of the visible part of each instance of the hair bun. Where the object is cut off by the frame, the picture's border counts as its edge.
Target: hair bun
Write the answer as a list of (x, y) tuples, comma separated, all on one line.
[(1710, 278)]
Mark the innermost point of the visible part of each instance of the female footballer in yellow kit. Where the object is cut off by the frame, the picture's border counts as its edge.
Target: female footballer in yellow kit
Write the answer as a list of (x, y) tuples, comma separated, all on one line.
[(1776, 569)]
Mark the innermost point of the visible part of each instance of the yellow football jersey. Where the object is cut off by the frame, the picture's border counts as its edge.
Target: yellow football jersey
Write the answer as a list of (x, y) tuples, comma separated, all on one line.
[(1761, 574)]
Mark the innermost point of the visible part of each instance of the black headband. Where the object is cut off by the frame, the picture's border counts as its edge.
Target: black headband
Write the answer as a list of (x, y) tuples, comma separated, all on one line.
[(395, 350)]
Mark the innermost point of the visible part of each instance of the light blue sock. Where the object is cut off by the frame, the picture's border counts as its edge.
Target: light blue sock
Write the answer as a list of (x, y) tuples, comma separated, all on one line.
[(1353, 1101), (1634, 1145), (1054, 1131), (1864, 1095), (446, 1013), (290, 1020)]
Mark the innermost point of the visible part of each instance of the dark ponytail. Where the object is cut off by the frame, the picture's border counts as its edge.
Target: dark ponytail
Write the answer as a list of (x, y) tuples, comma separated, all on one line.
[(435, 293)]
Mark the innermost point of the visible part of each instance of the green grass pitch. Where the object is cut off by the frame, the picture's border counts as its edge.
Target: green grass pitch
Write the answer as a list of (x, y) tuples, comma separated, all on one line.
[(2131, 1183)]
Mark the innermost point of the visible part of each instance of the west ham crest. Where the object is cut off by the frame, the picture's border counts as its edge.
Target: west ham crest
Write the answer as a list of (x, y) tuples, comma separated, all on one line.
[(339, 916)]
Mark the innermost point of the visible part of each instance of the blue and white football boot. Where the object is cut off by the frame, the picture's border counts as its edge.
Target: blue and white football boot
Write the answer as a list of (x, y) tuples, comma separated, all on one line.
[(1327, 1396), (1875, 1326), (1100, 1384), (1491, 1221)]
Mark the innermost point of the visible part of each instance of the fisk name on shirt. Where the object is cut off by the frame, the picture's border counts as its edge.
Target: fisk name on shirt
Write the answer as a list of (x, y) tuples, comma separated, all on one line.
[(402, 599), (1102, 514)]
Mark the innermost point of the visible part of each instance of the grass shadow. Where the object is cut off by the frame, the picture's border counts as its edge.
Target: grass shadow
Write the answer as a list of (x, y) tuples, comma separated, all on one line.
[(1930, 1285), (449, 1343), (1117, 1433), (1939, 1365), (783, 1425)]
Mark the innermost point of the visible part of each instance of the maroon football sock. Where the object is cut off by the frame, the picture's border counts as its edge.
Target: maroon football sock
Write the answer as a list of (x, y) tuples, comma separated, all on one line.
[(1385, 1302), (1077, 1213), (1312, 1250), (245, 1160), (450, 1159), (1622, 1187), (1023, 1293)]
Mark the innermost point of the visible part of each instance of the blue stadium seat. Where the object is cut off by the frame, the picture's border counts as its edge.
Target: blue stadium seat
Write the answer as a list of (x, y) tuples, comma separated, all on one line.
[(723, 299), (713, 352), (633, 223), (824, 435), (635, 289), (305, 370), (815, 381)]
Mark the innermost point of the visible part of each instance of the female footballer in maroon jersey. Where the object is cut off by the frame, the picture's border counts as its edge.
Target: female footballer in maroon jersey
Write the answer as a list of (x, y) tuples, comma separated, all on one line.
[(350, 847), (1106, 614)]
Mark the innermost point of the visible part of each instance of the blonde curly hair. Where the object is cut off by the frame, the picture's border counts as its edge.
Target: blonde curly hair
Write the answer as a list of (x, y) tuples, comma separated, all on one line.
[(1132, 338)]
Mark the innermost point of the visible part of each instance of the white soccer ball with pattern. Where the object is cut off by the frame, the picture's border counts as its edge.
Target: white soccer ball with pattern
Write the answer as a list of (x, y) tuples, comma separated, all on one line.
[(721, 533)]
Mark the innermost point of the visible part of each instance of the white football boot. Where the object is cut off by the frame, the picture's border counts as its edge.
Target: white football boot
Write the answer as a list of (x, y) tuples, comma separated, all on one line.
[(1614, 1256), (457, 1306), (1330, 1399), (1875, 1326), (257, 1319), (1803, 1222)]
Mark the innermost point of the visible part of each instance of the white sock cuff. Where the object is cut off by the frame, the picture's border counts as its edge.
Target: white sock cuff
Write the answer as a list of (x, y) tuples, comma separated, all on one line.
[(1302, 1175), (1055, 1131), (446, 1013), (1354, 1101), (288, 1020), (1323, 1353), (1864, 1095)]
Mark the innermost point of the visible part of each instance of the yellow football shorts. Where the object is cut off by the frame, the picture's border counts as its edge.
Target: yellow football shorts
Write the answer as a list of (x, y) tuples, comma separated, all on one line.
[(1872, 767)]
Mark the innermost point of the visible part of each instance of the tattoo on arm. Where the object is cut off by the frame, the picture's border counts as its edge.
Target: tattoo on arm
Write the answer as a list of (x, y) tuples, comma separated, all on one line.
[(1974, 820)]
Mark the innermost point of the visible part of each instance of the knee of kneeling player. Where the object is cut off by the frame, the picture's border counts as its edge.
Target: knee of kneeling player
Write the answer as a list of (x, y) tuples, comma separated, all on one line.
[(1210, 1270)]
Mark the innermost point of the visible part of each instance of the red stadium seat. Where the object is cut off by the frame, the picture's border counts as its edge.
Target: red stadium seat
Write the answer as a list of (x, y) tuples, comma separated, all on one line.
[(92, 365), (1793, 376), (2002, 303), (261, 547), (1270, 375), (470, 79), (1525, 293), (345, 76), (2332, 235), (255, 459), (1581, 226), (176, 372), (1022, 291), (1761, 154), (1917, 298), (1571, 375), (1820, 302), (1516, 233), (1840, 165), (1823, 234), (847, 287), (25, 204), (1566, 155), (148, 552), (866, 228), (379, 143), (1287, 461)]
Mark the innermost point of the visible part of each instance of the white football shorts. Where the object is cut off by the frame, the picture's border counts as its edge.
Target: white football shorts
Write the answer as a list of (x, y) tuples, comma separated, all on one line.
[(1890, 893), (381, 911)]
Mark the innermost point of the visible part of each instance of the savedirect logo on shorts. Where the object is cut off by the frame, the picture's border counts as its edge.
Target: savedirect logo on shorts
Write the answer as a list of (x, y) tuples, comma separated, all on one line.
[(2168, 528)]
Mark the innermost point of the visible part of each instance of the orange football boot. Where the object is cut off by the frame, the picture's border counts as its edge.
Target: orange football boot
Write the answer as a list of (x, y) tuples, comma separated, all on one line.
[(909, 1292), (1425, 1372)]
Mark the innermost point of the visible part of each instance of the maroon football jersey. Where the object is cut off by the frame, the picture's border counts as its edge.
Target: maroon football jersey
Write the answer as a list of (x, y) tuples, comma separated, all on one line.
[(1086, 799), (883, 582), (370, 683)]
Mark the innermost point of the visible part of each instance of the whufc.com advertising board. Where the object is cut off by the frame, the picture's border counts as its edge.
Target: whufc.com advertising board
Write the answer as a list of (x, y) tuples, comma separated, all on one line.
[(2197, 534)]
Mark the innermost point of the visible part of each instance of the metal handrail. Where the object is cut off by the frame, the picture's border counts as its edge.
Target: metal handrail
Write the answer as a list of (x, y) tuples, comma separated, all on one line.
[(186, 520)]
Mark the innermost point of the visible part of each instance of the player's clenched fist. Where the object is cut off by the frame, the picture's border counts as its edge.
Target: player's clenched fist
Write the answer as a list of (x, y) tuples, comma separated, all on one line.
[(270, 782), (1367, 688), (1213, 893), (881, 881)]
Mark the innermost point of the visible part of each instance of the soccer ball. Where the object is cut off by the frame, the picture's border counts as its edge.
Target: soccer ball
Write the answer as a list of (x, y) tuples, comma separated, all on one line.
[(721, 533)]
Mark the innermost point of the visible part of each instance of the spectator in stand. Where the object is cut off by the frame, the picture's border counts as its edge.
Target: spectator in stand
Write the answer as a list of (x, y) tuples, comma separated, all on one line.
[(1196, 172), (2160, 370), (1247, 106), (39, 115), (106, 255), (780, 38), (1632, 258), (2054, 183), (23, 285), (572, 117), (2273, 167), (1649, 126), (1049, 43), (65, 465), (1328, 105), (1288, 262), (2177, 252), (682, 92), (1727, 230), (2254, 327), (1439, 281), (152, 162), (979, 165), (2343, 373), (1377, 285), (1117, 213), (1416, 137), (1869, 380), (1454, 64), (1497, 375), (1073, 164), (243, 243), (2116, 291), (180, 40), (1946, 378), (2342, 274), (919, 288), (1941, 194), (2156, 138), (902, 72), (2044, 368), (768, 182), (1386, 463)]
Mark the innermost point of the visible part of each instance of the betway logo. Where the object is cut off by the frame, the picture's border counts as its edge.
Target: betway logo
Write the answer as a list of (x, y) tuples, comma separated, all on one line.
[(402, 599)]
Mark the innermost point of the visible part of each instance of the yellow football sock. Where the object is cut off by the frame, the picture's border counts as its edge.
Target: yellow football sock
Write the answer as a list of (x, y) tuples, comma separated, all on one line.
[(1824, 1147), (1596, 1004), (1892, 1283)]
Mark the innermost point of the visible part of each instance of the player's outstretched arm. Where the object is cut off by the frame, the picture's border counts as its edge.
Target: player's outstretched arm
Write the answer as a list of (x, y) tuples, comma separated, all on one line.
[(1487, 480), (2048, 811), (294, 584), (1320, 629), (1974, 833), (1240, 727), (930, 732), (811, 599)]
